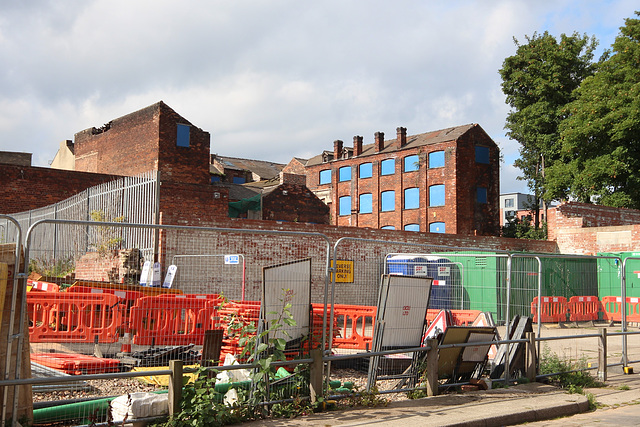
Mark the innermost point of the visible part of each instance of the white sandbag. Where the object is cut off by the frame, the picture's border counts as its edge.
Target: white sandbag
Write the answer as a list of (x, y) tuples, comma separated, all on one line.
[(139, 405)]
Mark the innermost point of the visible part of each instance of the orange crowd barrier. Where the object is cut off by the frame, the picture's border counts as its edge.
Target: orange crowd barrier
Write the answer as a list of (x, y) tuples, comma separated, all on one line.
[(76, 364), (145, 290), (168, 320), (73, 318), (612, 308), (357, 325), (552, 309), (633, 309), (584, 308)]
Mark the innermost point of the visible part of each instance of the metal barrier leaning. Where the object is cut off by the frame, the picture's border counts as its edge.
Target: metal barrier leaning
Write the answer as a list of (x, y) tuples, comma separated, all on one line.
[(57, 317), (552, 309), (584, 308)]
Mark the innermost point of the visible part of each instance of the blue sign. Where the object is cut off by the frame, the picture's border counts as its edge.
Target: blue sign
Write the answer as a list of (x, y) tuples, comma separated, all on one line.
[(232, 259)]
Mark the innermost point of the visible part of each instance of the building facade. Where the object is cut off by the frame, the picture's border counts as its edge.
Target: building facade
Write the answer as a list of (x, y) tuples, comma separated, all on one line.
[(445, 181)]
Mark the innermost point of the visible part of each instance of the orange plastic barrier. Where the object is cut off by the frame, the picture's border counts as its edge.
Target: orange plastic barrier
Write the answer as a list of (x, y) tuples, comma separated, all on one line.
[(633, 309), (611, 307), (584, 308), (317, 322), (169, 320), (79, 318), (357, 323), (76, 364), (245, 313), (552, 309), (460, 317), (42, 286)]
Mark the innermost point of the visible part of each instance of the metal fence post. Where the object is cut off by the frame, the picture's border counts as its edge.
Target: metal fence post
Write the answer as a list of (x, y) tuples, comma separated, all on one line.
[(532, 357), (602, 355), (315, 375), (175, 386), (432, 367)]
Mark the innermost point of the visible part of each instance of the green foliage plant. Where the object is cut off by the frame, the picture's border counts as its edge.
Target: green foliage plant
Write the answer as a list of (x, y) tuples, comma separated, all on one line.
[(107, 239), (571, 376)]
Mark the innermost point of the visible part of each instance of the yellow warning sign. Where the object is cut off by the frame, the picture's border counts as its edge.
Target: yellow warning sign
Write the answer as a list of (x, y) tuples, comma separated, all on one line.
[(344, 271)]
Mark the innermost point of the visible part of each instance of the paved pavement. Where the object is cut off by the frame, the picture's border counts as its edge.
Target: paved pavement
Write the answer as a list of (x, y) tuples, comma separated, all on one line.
[(515, 405)]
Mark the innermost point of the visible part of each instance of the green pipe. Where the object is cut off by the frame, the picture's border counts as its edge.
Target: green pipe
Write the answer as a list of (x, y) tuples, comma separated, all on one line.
[(93, 408)]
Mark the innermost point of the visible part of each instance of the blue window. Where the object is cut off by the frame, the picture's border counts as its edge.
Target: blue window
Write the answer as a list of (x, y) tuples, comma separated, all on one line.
[(436, 227), (482, 154), (366, 203), (412, 227), (182, 137), (215, 178), (436, 159), (345, 205), (436, 195), (366, 170), (239, 180), (388, 201), (412, 198), (325, 176), (388, 227), (344, 173), (388, 167), (411, 163), (481, 194)]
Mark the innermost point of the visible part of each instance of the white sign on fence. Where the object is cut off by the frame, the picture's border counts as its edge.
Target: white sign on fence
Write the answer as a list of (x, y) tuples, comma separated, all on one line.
[(232, 259)]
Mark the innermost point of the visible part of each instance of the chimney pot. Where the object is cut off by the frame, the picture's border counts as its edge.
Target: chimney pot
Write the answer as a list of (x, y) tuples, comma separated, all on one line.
[(357, 145), (379, 141), (401, 133), (337, 149)]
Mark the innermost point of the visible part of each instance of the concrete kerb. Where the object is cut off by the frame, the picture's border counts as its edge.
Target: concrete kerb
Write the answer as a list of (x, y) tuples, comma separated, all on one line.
[(508, 406)]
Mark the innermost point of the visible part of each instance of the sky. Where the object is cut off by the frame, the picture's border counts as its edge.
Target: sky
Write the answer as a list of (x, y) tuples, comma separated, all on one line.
[(274, 79)]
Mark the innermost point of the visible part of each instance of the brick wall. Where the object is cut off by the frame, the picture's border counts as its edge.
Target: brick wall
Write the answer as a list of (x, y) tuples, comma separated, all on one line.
[(294, 203), (26, 187), (460, 176), (580, 228), (192, 204), (142, 141)]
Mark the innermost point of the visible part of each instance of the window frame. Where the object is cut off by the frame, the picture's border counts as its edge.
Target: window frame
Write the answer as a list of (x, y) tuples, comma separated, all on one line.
[(432, 157), (368, 203), (483, 155), (322, 174), (415, 197), (341, 205), (183, 135), (384, 165), (482, 195), (370, 165), (384, 201), (432, 188), (342, 172), (414, 165), (406, 227), (434, 224)]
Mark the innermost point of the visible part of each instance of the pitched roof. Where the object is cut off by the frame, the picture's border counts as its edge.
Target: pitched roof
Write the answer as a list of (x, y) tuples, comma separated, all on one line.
[(413, 141), (264, 169)]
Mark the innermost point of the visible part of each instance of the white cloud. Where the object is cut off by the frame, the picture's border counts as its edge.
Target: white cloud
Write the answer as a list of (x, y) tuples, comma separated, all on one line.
[(272, 79)]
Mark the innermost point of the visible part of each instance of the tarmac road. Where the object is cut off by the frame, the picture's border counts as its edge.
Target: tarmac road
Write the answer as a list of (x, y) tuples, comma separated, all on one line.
[(620, 416)]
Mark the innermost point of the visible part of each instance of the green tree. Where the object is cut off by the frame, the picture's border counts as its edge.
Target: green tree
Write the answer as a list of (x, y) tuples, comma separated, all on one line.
[(601, 134), (539, 81)]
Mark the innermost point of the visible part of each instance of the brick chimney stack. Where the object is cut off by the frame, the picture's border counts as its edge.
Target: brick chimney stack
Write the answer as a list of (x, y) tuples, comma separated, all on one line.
[(402, 136), (379, 141), (337, 149), (357, 145)]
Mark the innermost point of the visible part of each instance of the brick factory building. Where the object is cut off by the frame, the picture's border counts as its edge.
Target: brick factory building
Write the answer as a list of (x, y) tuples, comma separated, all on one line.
[(447, 181)]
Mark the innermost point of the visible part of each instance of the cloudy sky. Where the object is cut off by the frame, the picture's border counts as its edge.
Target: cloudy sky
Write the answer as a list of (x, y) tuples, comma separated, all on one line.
[(273, 79)]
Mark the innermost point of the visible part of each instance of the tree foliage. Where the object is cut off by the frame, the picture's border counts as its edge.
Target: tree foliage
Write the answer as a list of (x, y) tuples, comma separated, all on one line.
[(600, 136), (539, 81)]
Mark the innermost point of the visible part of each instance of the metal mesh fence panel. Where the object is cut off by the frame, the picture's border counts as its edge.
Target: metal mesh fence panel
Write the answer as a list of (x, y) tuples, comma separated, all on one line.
[(102, 321)]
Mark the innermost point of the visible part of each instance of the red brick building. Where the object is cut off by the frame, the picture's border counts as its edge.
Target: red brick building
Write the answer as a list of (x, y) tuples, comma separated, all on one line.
[(445, 181)]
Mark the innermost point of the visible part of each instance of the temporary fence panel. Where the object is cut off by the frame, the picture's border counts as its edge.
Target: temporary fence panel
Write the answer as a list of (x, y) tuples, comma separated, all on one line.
[(288, 285), (102, 313)]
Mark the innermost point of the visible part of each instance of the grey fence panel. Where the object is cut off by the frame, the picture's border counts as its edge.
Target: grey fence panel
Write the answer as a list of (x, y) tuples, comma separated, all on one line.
[(135, 325)]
